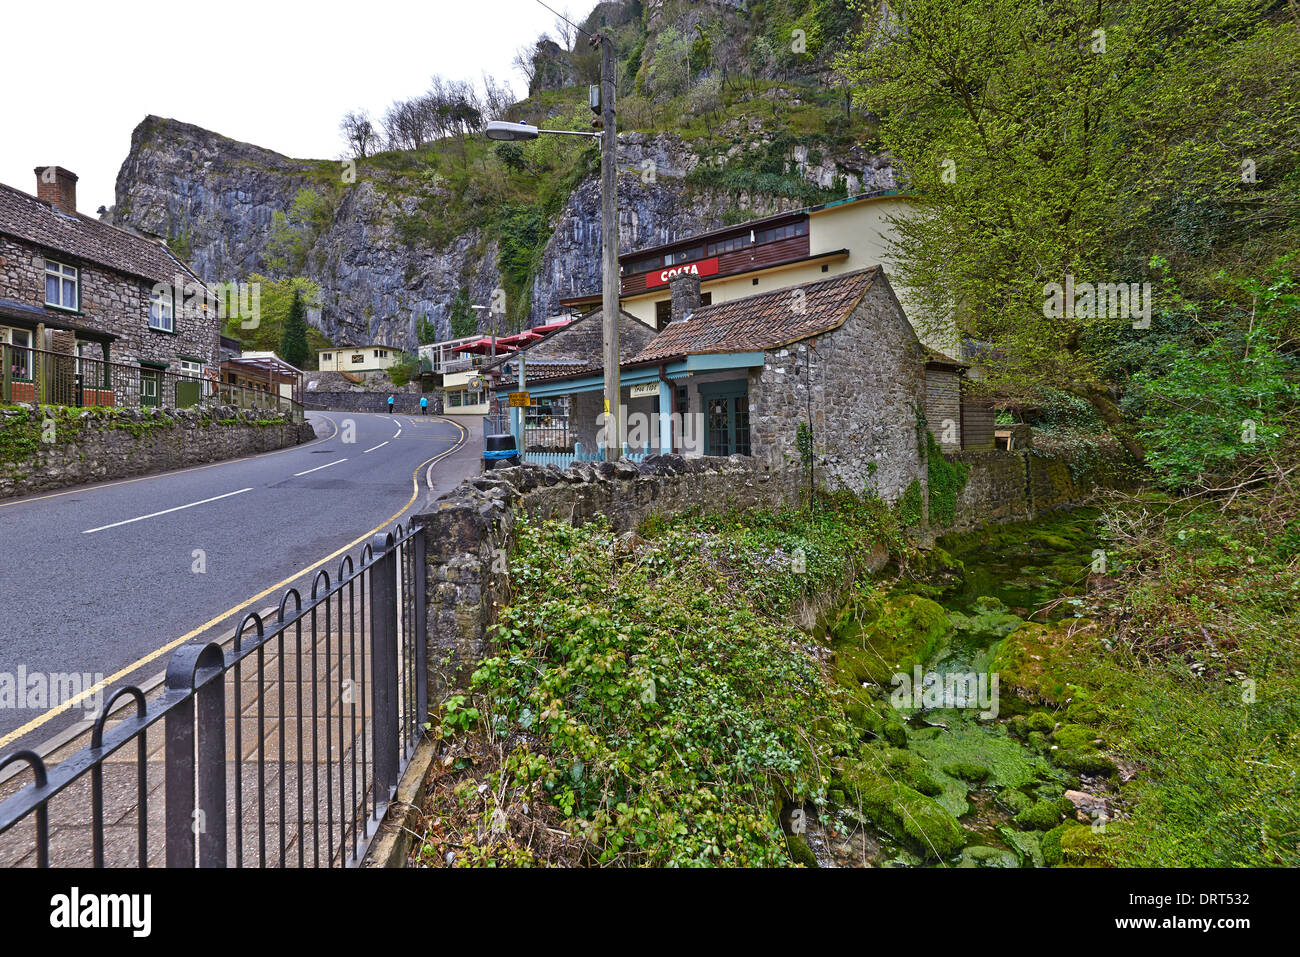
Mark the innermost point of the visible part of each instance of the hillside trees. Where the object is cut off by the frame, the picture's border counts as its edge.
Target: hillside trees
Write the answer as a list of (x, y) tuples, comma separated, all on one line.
[(1066, 142)]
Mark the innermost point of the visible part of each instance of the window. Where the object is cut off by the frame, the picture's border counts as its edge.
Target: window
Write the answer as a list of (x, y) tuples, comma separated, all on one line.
[(663, 312), (326, 357), (777, 233), (685, 256), (358, 358), (19, 355), (728, 245), (190, 369), (61, 286), (706, 299), (645, 264), (381, 353), (162, 309), (726, 418)]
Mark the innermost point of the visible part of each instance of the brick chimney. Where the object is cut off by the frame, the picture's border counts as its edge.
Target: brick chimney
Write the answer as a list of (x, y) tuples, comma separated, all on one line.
[(58, 187), (684, 289)]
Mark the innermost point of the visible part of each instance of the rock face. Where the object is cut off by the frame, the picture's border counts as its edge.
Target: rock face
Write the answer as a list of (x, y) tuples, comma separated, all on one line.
[(215, 201)]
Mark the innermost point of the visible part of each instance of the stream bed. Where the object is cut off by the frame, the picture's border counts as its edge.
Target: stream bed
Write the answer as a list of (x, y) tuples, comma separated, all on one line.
[(955, 766)]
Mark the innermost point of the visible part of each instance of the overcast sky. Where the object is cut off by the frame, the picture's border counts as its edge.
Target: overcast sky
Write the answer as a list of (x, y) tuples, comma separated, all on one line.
[(272, 72)]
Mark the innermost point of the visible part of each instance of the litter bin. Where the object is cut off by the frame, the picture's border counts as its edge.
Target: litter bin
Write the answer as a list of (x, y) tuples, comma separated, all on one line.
[(499, 452)]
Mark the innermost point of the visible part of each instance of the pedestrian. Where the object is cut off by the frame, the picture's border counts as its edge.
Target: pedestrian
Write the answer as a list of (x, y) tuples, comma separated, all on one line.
[(424, 405), (390, 405)]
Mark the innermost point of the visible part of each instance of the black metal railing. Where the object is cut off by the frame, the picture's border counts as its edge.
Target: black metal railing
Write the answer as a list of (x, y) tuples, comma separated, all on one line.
[(57, 378), (284, 749)]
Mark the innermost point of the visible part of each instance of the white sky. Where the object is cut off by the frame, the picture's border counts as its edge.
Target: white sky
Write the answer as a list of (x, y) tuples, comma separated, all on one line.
[(276, 73)]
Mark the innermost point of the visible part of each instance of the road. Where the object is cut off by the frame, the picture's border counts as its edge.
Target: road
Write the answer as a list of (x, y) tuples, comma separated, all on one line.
[(104, 580)]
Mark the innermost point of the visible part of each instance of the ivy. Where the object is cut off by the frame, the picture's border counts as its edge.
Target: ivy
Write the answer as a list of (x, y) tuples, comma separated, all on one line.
[(947, 479)]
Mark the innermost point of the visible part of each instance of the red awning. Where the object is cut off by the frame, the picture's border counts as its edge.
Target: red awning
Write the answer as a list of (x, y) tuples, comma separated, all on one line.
[(483, 346)]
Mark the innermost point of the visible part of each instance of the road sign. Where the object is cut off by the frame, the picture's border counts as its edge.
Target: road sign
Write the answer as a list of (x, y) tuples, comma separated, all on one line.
[(520, 400)]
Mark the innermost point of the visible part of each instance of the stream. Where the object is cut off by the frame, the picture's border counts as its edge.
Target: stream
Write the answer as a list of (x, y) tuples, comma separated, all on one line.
[(955, 769)]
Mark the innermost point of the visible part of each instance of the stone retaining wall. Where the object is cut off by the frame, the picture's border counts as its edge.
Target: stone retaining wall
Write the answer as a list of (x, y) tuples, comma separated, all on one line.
[(470, 535), (96, 445), (1020, 486), (404, 402)]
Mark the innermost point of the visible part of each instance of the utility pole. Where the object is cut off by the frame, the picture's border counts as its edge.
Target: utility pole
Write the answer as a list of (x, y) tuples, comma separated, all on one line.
[(609, 238)]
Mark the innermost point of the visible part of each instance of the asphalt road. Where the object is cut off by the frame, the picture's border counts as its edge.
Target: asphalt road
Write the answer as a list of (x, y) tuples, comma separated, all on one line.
[(100, 579)]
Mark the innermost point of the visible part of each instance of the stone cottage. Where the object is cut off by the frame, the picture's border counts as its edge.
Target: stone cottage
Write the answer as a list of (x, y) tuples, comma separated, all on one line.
[(91, 314)]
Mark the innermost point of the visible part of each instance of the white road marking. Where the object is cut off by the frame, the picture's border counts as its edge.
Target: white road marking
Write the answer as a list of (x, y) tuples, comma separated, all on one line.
[(399, 428), (319, 467), (166, 511), (379, 446)]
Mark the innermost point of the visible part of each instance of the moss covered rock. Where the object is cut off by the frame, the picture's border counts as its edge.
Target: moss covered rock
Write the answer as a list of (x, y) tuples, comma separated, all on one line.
[(1040, 721), (907, 632), (984, 856), (1039, 816), (1040, 663), (800, 852), (920, 822), (1025, 844)]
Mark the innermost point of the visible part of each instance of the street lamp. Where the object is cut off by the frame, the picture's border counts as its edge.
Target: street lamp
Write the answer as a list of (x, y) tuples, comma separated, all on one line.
[(517, 132), (603, 103)]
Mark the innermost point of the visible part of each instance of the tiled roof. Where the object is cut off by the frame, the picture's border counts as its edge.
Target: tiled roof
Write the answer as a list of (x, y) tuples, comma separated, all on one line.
[(766, 321), (25, 217)]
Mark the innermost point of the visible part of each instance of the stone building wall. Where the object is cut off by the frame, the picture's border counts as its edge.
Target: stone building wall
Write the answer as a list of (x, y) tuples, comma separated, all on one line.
[(103, 444), (116, 303), (867, 379)]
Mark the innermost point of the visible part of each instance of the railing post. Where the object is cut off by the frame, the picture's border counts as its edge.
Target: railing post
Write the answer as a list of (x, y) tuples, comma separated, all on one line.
[(383, 658), (195, 674), (421, 636)]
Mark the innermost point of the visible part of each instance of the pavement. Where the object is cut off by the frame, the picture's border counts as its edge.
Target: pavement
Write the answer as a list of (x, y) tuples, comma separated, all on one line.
[(102, 582)]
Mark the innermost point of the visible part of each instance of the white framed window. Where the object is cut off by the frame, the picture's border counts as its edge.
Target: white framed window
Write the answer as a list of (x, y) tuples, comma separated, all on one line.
[(62, 286), (326, 357), (189, 368), (162, 309), (20, 358), (381, 353)]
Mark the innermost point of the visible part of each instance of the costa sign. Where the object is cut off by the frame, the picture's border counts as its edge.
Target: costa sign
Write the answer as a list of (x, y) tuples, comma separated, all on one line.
[(705, 267)]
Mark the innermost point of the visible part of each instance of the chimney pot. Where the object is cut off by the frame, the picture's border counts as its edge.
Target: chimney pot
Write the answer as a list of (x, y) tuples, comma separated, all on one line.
[(58, 187), (684, 291)]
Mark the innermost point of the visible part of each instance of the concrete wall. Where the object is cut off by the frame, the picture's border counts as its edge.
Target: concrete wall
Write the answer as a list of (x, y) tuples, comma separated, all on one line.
[(103, 444)]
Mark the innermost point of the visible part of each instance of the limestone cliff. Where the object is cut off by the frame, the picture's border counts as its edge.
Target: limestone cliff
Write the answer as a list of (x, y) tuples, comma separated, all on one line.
[(377, 244)]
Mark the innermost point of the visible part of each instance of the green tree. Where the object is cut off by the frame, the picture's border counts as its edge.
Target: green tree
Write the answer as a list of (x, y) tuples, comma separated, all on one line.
[(293, 339), (1045, 140)]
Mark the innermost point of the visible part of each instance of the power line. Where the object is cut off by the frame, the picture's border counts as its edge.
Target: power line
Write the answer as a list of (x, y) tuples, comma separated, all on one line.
[(566, 20)]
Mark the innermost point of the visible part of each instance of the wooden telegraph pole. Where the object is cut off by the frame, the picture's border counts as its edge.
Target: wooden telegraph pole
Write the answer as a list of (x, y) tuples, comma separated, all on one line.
[(609, 238)]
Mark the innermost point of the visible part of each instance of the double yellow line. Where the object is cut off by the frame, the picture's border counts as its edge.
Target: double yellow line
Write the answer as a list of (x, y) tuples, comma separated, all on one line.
[(139, 663)]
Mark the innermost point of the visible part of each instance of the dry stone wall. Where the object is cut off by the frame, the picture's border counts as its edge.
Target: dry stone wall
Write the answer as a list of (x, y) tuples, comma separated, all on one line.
[(96, 445)]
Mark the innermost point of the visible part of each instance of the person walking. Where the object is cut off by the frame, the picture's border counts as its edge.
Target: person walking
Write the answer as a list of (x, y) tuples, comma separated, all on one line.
[(390, 405), (424, 405)]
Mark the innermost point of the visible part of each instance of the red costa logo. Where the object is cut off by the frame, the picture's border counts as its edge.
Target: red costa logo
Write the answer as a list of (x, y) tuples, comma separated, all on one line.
[(705, 267)]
